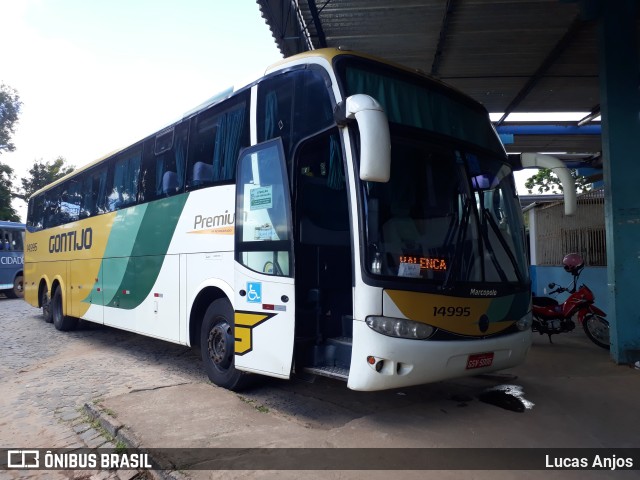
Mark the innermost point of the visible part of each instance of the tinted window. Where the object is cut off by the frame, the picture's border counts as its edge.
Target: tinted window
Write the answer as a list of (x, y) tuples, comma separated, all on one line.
[(292, 106), (71, 200), (35, 215), (217, 136), (126, 170), (52, 207), (163, 169), (94, 192)]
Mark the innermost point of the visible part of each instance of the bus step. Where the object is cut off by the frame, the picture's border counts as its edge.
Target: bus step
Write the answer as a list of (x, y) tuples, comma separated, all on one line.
[(338, 373)]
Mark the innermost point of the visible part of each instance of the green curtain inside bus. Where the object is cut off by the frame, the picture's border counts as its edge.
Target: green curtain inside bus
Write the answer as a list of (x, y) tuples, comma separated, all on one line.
[(227, 146), (417, 105)]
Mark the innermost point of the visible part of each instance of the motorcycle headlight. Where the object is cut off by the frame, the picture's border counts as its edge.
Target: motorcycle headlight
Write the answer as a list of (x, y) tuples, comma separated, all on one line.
[(400, 327), (525, 322)]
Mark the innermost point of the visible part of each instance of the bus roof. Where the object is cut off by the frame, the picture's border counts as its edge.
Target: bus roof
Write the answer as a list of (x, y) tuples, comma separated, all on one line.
[(330, 53), (13, 225)]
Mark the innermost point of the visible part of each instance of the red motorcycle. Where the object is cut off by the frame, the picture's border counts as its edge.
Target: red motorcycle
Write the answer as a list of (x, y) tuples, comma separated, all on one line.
[(551, 317)]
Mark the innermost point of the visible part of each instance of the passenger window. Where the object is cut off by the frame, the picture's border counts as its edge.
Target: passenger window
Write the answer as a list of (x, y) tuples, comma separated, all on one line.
[(94, 192), (124, 190), (165, 158), (217, 136), (36, 214), (71, 200), (17, 241), (52, 208)]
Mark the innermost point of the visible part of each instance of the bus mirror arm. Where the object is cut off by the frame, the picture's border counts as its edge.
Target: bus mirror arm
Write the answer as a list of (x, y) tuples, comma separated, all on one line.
[(375, 143), (538, 160)]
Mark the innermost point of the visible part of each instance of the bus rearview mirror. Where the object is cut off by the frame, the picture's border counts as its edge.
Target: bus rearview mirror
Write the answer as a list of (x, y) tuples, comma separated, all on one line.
[(375, 143)]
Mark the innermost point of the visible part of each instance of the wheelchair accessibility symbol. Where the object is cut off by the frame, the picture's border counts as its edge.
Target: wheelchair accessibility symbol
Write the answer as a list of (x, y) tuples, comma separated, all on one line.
[(254, 292)]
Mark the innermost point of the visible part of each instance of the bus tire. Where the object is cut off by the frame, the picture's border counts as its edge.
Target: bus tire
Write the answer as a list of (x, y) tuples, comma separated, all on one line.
[(60, 320), (18, 288), (45, 302), (217, 343)]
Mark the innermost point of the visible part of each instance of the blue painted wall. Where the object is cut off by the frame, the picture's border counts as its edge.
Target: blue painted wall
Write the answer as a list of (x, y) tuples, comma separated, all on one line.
[(594, 277)]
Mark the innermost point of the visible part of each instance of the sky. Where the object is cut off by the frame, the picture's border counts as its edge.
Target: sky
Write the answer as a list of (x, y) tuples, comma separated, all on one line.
[(95, 76)]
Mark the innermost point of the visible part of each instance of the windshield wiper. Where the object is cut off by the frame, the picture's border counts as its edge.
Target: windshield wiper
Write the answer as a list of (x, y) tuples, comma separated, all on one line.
[(462, 234), (496, 229)]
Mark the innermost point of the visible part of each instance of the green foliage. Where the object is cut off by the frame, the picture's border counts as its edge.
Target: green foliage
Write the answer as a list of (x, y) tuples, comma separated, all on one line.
[(9, 110), (42, 174), (7, 212), (547, 182)]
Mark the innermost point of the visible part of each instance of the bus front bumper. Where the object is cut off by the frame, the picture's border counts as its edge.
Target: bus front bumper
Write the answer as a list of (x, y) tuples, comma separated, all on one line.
[(379, 362)]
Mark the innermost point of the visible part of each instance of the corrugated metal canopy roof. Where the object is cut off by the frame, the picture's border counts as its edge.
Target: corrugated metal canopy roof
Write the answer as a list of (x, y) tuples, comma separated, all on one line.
[(510, 55)]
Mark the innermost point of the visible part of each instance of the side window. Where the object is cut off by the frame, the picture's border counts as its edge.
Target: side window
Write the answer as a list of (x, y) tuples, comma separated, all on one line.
[(35, 214), (165, 158), (263, 229), (52, 208), (292, 106), (321, 189), (217, 136), (126, 170), (94, 192), (17, 241), (71, 200)]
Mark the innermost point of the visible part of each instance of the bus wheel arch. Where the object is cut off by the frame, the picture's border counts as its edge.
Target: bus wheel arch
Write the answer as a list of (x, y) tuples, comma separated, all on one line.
[(205, 297), (61, 321)]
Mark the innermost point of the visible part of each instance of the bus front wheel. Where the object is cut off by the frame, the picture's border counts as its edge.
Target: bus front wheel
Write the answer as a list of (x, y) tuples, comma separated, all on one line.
[(60, 320), (217, 346)]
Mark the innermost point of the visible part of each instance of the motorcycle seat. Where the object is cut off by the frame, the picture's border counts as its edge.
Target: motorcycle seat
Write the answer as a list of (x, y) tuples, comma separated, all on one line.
[(544, 301)]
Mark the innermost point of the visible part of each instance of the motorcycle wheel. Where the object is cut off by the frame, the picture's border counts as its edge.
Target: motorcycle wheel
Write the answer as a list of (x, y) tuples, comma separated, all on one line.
[(597, 330)]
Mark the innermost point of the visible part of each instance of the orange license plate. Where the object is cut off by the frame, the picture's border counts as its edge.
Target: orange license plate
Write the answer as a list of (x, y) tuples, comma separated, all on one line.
[(480, 360)]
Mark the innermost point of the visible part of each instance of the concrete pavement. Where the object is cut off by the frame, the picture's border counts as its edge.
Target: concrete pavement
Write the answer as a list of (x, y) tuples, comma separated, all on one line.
[(577, 398)]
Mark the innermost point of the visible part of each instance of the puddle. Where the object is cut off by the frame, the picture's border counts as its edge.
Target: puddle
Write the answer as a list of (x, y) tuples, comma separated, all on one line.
[(509, 397)]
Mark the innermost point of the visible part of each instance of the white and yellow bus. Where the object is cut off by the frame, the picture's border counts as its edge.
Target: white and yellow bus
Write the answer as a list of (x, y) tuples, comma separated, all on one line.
[(340, 216)]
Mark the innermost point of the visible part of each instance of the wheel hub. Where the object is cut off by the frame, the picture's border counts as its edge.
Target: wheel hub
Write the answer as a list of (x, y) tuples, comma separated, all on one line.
[(220, 345)]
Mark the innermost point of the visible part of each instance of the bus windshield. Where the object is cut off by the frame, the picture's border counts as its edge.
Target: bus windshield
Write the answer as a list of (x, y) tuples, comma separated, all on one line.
[(449, 214)]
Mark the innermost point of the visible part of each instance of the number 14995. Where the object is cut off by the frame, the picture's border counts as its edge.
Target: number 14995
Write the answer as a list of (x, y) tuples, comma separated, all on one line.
[(451, 311)]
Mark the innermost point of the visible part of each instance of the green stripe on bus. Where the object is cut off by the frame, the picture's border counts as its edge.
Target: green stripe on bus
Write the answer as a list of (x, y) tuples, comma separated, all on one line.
[(122, 239), (149, 249)]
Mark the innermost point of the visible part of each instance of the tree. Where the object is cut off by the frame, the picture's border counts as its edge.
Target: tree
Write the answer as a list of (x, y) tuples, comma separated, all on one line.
[(547, 182), (9, 110), (7, 212), (41, 174)]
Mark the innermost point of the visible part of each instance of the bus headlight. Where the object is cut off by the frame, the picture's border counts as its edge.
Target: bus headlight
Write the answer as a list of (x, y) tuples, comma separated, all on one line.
[(400, 327), (525, 322)]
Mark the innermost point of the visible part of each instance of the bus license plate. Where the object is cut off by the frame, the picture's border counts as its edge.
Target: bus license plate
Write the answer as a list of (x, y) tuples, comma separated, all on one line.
[(480, 360)]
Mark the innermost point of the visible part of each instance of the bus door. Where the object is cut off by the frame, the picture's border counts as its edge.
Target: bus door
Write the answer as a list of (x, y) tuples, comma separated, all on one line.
[(264, 284)]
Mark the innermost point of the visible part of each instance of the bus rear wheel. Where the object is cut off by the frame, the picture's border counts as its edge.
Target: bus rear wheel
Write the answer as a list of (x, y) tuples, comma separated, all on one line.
[(60, 320), (18, 288), (217, 346)]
